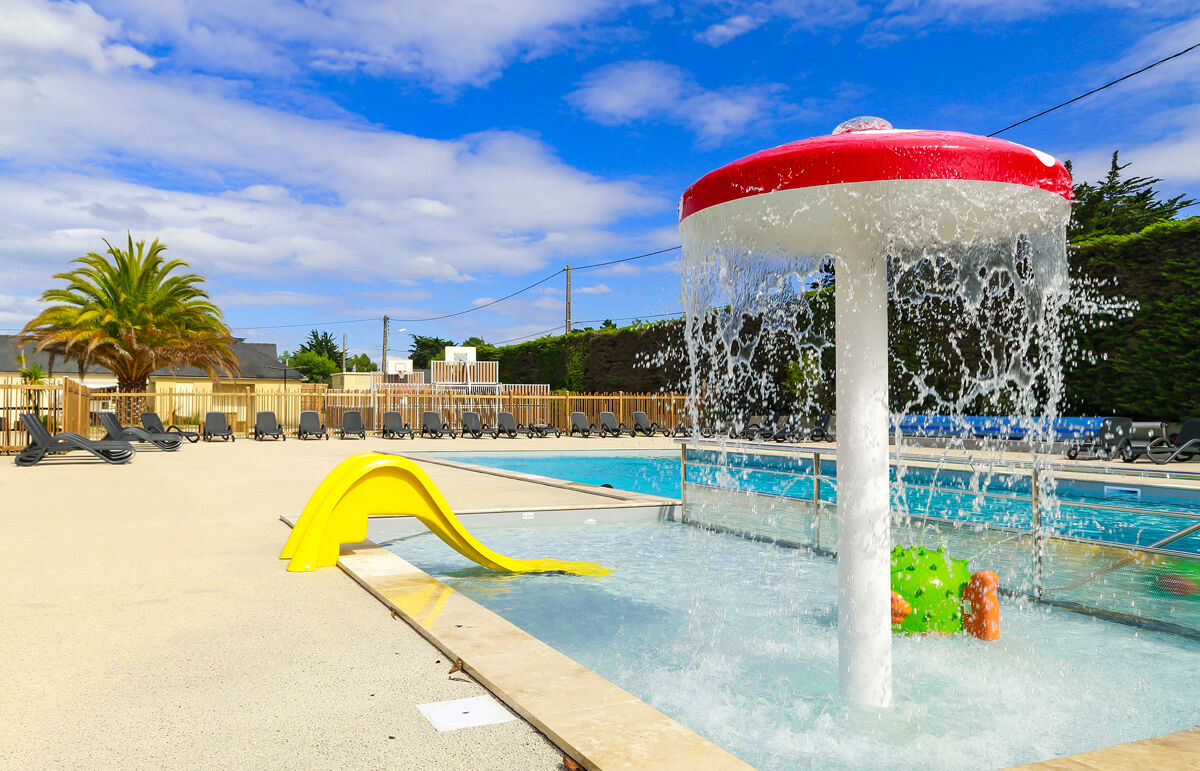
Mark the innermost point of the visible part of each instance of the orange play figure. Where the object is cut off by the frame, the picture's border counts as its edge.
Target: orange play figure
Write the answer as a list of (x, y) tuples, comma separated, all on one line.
[(900, 608), (981, 605)]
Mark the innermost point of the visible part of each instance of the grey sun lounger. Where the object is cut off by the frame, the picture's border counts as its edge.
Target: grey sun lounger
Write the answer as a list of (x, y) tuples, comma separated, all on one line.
[(580, 425), (431, 423), (609, 425), (1162, 451), (1112, 439), (216, 427), (642, 425), (42, 443), (352, 425), (683, 429), (153, 423), (311, 426), (473, 426), (266, 424), (543, 429), (507, 425), (119, 433), (822, 430), (394, 426)]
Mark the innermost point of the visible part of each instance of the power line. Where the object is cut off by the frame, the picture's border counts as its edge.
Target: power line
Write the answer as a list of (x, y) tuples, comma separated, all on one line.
[(485, 305), (1101, 88), (526, 337), (625, 259), (632, 318), (588, 321), (467, 310)]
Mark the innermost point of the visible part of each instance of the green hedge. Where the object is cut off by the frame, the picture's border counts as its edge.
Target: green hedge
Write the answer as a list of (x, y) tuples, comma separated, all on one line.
[(1148, 365), (602, 360)]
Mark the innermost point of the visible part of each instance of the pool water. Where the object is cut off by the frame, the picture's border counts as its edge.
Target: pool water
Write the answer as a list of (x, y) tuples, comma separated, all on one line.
[(657, 473), (738, 641)]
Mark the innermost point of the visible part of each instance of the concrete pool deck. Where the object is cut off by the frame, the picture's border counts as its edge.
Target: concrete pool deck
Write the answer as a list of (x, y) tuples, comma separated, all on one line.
[(148, 622)]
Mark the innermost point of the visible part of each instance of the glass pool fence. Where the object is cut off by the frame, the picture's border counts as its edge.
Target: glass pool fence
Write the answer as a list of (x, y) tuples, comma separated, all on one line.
[(1134, 564)]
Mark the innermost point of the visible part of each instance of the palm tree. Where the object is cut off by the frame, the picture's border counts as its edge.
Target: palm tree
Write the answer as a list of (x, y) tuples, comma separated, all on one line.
[(125, 312)]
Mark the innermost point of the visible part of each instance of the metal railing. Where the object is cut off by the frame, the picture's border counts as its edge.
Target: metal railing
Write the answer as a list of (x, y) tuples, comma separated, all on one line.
[(1094, 575)]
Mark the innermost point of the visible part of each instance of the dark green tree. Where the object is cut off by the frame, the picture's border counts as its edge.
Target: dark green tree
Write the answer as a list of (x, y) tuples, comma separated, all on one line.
[(424, 349), (322, 344), (318, 368), (361, 363), (1117, 206), (475, 341)]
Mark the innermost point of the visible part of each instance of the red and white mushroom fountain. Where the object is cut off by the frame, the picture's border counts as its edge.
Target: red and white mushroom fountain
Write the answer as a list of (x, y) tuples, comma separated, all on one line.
[(861, 195)]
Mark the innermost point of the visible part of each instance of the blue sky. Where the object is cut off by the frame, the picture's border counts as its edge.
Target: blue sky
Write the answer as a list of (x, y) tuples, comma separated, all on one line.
[(328, 161)]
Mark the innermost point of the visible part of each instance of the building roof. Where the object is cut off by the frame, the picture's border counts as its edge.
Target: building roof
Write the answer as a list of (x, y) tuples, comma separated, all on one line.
[(258, 362)]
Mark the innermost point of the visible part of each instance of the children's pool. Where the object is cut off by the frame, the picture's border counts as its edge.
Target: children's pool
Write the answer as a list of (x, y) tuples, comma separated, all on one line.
[(1087, 510), (737, 640)]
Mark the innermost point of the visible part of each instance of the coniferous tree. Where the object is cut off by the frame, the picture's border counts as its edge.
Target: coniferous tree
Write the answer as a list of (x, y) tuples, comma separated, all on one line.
[(1117, 206)]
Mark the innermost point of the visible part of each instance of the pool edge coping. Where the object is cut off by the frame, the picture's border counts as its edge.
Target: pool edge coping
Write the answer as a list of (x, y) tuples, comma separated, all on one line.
[(617, 730)]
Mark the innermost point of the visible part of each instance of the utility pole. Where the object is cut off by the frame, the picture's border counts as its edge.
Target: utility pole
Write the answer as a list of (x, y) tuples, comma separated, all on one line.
[(385, 331), (343, 352), (568, 325)]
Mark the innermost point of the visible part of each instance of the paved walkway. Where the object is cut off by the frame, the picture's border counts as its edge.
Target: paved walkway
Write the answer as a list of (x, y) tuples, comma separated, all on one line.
[(147, 621)]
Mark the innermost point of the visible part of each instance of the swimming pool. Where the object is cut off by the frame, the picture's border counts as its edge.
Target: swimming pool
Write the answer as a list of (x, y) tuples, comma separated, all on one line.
[(737, 640), (1088, 510)]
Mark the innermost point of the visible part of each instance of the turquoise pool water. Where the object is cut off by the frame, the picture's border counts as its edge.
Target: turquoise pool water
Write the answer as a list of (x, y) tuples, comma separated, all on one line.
[(657, 473), (738, 641)]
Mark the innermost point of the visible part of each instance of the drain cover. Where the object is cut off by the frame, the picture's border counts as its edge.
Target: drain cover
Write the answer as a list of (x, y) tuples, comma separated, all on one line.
[(465, 713)]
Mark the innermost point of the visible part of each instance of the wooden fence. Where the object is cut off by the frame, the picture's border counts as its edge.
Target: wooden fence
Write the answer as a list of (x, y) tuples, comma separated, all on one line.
[(69, 406)]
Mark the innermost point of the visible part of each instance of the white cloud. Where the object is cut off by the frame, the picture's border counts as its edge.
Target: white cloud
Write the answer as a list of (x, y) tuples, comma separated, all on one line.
[(735, 26), (446, 43), (273, 298), (240, 189), (629, 92), (885, 21), (595, 289), (32, 28)]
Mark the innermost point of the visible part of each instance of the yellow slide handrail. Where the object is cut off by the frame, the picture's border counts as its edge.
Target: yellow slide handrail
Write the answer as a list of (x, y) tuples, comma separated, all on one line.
[(373, 484)]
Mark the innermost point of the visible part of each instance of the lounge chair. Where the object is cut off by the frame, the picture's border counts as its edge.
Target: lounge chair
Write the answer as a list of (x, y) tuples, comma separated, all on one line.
[(580, 425), (472, 425), (683, 429), (642, 425), (542, 429), (265, 424), (153, 423), (119, 433), (822, 430), (790, 428), (1162, 451), (507, 425), (216, 427), (311, 426), (394, 426), (609, 425), (41, 443), (352, 425), (1111, 439), (431, 423)]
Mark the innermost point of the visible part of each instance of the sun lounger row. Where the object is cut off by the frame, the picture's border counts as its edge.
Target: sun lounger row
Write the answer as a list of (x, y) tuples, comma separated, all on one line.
[(1122, 437), (116, 447), (784, 428)]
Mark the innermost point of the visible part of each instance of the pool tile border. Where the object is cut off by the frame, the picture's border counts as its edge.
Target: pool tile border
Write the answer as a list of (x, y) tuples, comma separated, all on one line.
[(1179, 750)]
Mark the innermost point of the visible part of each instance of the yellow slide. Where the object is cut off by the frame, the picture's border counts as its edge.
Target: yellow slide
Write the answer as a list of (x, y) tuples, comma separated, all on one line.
[(375, 484)]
